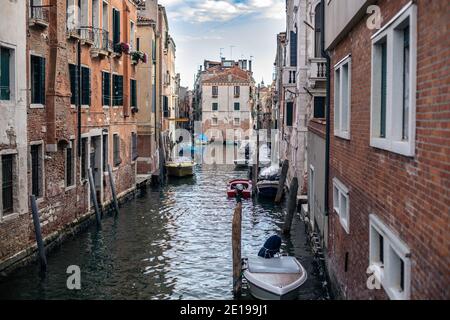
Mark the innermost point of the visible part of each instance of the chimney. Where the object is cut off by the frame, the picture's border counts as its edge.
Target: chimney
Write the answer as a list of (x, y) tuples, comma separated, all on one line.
[(250, 65)]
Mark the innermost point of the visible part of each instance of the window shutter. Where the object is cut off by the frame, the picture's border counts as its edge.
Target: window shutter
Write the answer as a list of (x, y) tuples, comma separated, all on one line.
[(5, 90), (289, 113), (85, 86), (293, 47), (116, 26)]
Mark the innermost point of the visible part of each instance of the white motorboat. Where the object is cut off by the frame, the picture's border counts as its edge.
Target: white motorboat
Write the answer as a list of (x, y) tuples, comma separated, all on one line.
[(277, 278)]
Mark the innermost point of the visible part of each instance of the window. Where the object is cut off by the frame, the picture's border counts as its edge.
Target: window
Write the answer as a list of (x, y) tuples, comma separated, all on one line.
[(117, 90), (319, 107), (105, 19), (105, 153), (215, 106), (116, 28), (70, 164), (394, 63), (7, 184), (6, 74), (85, 86), (311, 191), (116, 151), (134, 154), (342, 94), (237, 121), (237, 91), (73, 84), (132, 36), (293, 48), (84, 6), (84, 158), (138, 45), (215, 91), (166, 111), (36, 170), (318, 31), (237, 106), (389, 259), (106, 89), (133, 96), (37, 80), (289, 114), (341, 203), (214, 121)]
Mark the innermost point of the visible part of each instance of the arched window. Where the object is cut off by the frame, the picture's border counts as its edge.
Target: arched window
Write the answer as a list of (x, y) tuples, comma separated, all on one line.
[(318, 30)]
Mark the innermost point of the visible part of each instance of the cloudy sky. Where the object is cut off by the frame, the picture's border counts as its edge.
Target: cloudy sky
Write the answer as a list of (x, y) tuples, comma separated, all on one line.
[(202, 29)]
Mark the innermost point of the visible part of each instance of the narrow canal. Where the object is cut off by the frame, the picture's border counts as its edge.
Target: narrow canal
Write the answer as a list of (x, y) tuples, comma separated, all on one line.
[(173, 243)]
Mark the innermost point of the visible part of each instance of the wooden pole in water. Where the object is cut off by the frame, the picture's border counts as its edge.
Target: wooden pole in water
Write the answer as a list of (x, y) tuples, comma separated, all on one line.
[(284, 171), (94, 198), (291, 207), (113, 189), (38, 233), (236, 243)]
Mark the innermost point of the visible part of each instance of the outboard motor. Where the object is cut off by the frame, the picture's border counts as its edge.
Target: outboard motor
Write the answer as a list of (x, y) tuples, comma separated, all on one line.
[(271, 247)]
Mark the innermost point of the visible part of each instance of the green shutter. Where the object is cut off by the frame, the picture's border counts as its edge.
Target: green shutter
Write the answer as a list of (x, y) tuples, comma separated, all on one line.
[(73, 84), (4, 74), (383, 90), (85, 86), (42, 78), (116, 26), (289, 113), (106, 88)]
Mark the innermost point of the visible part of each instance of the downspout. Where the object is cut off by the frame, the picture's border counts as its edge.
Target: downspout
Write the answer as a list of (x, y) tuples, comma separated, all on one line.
[(326, 54)]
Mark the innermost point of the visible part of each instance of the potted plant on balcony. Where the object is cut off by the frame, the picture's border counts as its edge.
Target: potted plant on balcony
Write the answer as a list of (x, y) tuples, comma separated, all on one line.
[(137, 56), (122, 47)]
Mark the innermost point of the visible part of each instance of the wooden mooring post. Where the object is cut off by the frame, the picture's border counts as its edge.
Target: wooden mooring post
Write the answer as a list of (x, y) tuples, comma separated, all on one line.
[(284, 171), (38, 233), (291, 206), (113, 189), (94, 198), (236, 244)]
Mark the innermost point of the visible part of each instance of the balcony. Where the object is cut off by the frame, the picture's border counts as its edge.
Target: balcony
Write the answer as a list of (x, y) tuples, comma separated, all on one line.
[(39, 16), (87, 36), (317, 75), (102, 45), (289, 76)]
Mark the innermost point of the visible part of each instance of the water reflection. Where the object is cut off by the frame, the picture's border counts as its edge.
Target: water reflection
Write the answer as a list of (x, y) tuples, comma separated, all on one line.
[(169, 244)]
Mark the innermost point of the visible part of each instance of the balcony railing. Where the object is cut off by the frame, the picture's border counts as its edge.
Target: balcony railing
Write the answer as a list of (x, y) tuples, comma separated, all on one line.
[(39, 15), (87, 35), (318, 71), (101, 40), (289, 76)]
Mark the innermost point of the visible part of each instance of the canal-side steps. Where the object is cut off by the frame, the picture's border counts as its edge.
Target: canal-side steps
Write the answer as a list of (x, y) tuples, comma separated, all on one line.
[(70, 230)]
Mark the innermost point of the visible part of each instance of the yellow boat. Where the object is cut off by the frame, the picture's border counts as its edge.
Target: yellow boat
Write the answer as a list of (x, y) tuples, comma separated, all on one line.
[(180, 169)]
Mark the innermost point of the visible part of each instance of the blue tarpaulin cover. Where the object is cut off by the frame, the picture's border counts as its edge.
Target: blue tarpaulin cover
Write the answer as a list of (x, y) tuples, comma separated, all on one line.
[(271, 247)]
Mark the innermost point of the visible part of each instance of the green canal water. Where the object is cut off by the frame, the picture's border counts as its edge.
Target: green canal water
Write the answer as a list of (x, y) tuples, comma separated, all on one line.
[(172, 243)]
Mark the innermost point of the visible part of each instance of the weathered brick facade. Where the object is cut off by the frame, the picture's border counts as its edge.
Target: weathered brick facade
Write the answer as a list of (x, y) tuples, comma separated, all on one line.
[(54, 124), (411, 195)]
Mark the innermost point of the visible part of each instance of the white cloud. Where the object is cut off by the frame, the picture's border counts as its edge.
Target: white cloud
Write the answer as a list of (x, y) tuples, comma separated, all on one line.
[(200, 11)]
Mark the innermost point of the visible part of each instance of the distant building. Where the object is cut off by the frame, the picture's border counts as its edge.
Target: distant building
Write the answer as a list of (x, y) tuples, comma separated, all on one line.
[(226, 96)]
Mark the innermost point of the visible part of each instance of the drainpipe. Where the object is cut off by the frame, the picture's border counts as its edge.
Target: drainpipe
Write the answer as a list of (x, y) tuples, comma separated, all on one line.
[(326, 54)]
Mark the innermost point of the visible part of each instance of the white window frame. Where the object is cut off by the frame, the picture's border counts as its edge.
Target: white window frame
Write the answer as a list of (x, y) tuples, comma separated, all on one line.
[(238, 123), (339, 131), (340, 191), (12, 75), (393, 141), (14, 213), (393, 248), (212, 121)]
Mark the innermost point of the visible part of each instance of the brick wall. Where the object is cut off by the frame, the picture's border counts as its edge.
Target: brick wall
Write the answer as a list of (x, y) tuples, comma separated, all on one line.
[(410, 195)]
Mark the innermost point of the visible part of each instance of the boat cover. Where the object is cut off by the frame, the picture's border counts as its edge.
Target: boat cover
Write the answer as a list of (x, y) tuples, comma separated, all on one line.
[(271, 247), (274, 265)]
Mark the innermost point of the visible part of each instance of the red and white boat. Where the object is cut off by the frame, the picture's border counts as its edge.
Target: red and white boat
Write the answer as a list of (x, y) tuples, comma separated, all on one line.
[(247, 188)]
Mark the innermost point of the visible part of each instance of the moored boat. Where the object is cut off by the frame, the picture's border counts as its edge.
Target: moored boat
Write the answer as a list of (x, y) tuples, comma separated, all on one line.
[(232, 188), (274, 277), (267, 188), (180, 169)]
